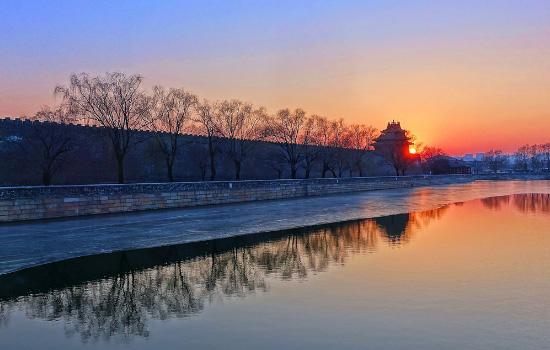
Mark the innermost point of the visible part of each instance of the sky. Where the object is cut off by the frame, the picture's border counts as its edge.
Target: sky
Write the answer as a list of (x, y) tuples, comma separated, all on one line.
[(466, 76)]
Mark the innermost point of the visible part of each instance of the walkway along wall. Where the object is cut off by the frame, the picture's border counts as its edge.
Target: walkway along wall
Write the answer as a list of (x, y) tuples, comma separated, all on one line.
[(40, 202)]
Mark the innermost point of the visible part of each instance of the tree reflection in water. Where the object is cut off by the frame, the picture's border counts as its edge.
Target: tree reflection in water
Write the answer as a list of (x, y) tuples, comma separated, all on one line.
[(496, 203), (114, 295), (525, 203), (533, 202)]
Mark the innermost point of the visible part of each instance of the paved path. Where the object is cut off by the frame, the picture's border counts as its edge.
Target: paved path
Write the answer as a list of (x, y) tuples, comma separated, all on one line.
[(33, 243)]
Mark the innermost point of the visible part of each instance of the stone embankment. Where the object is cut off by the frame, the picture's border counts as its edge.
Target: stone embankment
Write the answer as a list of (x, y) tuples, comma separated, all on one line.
[(41, 202)]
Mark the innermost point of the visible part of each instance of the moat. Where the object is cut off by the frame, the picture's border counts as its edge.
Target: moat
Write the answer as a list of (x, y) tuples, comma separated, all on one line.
[(469, 273)]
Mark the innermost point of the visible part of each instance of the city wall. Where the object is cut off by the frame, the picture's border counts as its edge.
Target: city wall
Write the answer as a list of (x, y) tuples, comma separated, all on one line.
[(41, 202), (91, 159)]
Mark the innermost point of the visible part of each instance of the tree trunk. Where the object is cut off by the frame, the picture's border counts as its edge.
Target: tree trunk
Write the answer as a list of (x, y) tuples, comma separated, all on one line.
[(237, 171), (212, 169), (326, 168), (212, 165), (169, 167), (47, 178), (307, 172), (397, 171), (120, 164), (359, 168), (292, 171)]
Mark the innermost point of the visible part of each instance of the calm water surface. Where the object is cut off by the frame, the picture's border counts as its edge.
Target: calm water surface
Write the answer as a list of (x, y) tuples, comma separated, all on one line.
[(473, 275)]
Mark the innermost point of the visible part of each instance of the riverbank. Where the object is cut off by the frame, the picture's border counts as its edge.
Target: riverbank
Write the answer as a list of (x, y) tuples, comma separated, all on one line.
[(32, 243), (46, 202)]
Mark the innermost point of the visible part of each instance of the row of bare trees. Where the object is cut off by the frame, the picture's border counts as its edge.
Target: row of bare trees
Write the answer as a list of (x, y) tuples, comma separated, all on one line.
[(234, 128), (494, 160), (532, 157), (302, 140), (527, 158)]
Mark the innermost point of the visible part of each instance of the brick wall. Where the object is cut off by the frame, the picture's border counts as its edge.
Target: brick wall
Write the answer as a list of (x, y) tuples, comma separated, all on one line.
[(37, 202)]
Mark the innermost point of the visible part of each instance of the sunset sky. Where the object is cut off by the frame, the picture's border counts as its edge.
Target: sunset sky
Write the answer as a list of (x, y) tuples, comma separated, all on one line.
[(462, 75)]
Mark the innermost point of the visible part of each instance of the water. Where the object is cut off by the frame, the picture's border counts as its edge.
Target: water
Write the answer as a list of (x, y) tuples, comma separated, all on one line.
[(34, 243), (470, 275)]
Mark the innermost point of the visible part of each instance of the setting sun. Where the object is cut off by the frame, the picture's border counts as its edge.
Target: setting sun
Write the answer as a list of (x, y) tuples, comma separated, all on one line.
[(412, 150)]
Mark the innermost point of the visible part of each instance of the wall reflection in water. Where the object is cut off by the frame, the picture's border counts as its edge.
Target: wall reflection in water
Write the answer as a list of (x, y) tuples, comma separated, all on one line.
[(115, 294)]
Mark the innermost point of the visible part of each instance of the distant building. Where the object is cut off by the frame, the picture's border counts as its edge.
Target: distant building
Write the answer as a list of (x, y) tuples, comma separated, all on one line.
[(480, 156), (442, 164), (458, 166), (392, 139)]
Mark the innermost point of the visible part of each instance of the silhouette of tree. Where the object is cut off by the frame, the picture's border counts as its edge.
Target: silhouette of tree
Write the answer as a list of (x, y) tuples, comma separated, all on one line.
[(535, 160), (207, 118), (323, 142), (49, 146), (308, 139), (428, 156), (339, 143), (398, 155), (241, 126), (360, 138), (275, 162), (494, 160), (200, 157), (521, 158), (285, 129), (545, 153), (115, 102), (170, 116), (397, 158)]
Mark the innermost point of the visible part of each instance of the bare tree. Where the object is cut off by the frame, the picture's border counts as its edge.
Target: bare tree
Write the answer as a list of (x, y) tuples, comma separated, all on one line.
[(285, 129), (360, 139), (393, 157), (307, 139), (275, 162), (521, 158), (49, 146), (207, 117), (199, 157), (113, 101), (535, 157), (494, 160), (398, 156), (241, 126), (545, 153), (325, 141), (428, 155), (170, 117), (340, 146)]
